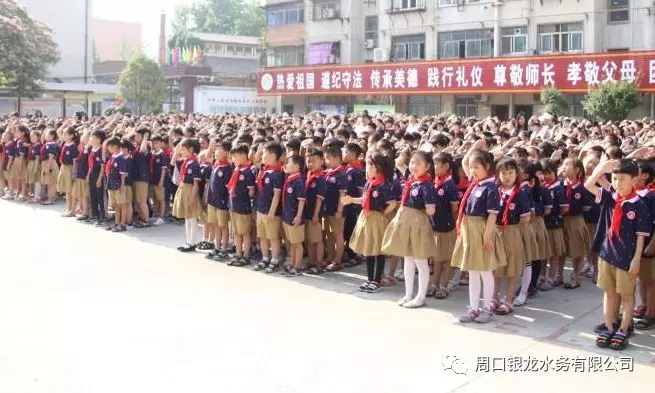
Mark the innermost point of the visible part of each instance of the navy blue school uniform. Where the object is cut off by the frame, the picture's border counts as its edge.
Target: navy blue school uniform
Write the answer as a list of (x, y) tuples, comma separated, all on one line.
[(205, 175), (129, 162), (397, 185), (94, 164), (294, 192), (119, 166), (484, 199), (35, 152), (546, 200), (69, 153), (381, 196), (315, 189), (271, 180), (554, 194), (356, 180), (159, 162), (50, 149), (519, 207), (23, 149), (336, 182), (648, 196), (576, 198), (240, 201), (525, 187), (446, 196), (82, 167), (141, 165), (10, 150), (636, 221), (218, 195), (592, 212), (192, 173), (420, 195)]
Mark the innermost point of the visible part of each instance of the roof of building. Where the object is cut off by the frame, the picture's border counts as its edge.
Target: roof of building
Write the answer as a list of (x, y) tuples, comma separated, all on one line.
[(232, 39)]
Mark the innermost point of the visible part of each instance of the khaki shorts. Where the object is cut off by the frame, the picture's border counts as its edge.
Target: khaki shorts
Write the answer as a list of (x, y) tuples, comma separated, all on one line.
[(129, 194), (217, 216), (268, 228), (140, 189), (333, 225), (313, 232), (611, 278), (117, 197), (241, 223), (647, 270), (294, 234), (157, 193)]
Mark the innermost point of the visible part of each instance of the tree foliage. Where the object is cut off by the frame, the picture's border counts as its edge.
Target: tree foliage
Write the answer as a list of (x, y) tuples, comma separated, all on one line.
[(232, 17), (612, 100), (554, 102), (142, 84), (27, 50)]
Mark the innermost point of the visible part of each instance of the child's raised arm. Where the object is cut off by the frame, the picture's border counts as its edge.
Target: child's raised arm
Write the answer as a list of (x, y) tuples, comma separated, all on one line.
[(602, 169)]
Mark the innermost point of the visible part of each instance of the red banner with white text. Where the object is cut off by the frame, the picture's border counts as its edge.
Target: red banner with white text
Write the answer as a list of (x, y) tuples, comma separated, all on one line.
[(569, 73)]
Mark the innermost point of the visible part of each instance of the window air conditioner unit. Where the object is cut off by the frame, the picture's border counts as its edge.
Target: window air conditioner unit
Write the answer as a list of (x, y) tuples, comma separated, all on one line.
[(380, 55), (369, 44)]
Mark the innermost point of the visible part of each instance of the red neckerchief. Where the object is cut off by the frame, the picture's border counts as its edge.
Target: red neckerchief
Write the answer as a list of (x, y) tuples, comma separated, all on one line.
[(260, 176), (221, 164), (569, 190), (335, 171), (167, 151), (182, 172), (507, 202), (374, 182), (110, 162), (548, 185), (463, 185), (465, 198), (617, 214), (355, 165), (234, 179), (43, 148), (410, 182), (91, 161), (287, 181), (62, 154), (440, 181), (311, 176), (80, 150), (29, 152), (153, 160)]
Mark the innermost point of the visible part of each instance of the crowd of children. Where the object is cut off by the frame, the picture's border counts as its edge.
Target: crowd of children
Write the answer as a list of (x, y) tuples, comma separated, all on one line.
[(498, 206)]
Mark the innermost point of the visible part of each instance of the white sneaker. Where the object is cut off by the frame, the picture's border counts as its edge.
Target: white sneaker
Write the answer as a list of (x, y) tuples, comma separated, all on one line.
[(520, 300), (159, 221)]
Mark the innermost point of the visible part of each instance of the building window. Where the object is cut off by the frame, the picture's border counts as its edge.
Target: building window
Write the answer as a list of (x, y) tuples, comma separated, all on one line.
[(410, 47), (399, 5), (285, 17), (424, 105), (618, 11), (371, 31), (326, 11), (514, 41), (285, 56), (324, 53), (466, 43), (560, 38), (618, 50), (575, 105), (450, 3), (465, 106)]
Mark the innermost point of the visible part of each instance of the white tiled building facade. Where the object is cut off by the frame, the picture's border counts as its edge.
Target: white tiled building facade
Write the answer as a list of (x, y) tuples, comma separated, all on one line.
[(410, 30)]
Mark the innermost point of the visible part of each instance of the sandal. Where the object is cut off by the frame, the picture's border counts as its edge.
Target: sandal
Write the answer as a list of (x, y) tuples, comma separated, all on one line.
[(261, 265), (432, 290), (293, 272), (204, 245), (272, 267), (241, 262), (315, 270), (213, 255), (233, 260), (546, 286), (504, 309), (442, 293), (572, 285), (639, 312), (558, 281), (186, 248), (619, 341), (645, 323), (334, 267), (604, 339), (120, 228), (388, 281), (350, 262)]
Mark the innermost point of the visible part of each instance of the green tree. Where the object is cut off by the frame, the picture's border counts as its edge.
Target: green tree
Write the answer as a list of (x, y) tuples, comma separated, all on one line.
[(142, 84), (612, 101), (554, 102), (27, 50), (94, 52)]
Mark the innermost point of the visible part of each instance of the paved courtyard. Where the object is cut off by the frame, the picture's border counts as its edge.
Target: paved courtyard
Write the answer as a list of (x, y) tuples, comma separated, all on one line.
[(83, 310)]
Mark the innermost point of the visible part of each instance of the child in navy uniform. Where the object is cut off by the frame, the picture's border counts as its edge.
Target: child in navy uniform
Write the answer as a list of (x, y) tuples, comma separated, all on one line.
[(553, 192), (67, 157), (158, 167), (626, 223), (140, 176), (576, 235), (293, 206), (95, 176), (377, 202), (80, 189), (187, 204), (218, 213), (356, 179), (315, 187), (241, 188), (333, 222), (34, 167), (9, 152), (126, 150), (645, 312), (116, 173), (591, 215), (49, 166), (409, 234), (270, 180)]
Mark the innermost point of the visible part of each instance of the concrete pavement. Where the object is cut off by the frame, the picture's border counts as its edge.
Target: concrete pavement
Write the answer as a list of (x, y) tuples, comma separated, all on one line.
[(83, 310)]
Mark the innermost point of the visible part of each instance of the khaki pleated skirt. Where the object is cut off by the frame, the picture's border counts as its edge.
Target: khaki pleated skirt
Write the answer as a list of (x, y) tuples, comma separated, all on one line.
[(409, 234), (445, 245), (469, 253), (541, 236), (33, 172), (556, 243), (80, 188), (49, 178), (65, 179), (576, 237), (529, 239), (368, 234), (513, 243), (180, 207), (591, 230), (18, 170)]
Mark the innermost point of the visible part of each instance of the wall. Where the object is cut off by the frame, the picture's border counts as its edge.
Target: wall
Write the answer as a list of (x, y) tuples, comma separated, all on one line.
[(66, 18), (111, 37)]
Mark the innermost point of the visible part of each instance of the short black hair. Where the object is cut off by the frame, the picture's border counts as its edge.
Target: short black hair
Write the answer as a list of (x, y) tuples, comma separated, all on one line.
[(315, 152), (157, 138), (126, 144), (100, 135), (297, 160), (294, 144), (192, 144), (647, 168), (333, 150), (114, 141), (224, 145), (241, 148), (354, 148), (627, 167), (275, 149)]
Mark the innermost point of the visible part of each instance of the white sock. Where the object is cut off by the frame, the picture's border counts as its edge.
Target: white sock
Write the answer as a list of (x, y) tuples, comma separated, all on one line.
[(526, 279), (423, 278), (487, 288), (409, 269), (187, 231), (193, 228), (456, 276), (475, 286), (38, 189)]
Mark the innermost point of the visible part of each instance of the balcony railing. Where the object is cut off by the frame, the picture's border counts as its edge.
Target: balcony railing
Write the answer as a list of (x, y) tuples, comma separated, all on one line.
[(326, 11), (397, 6)]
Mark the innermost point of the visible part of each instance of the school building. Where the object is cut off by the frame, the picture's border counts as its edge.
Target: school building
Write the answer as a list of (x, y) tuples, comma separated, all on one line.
[(469, 57)]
